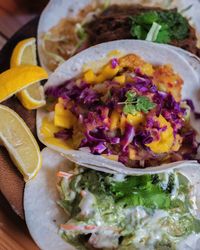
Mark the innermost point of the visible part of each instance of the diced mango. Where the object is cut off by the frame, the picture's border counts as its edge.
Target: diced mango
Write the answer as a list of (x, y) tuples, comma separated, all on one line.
[(164, 144), (136, 119), (132, 154), (89, 76), (61, 100), (47, 131), (114, 120), (120, 79), (64, 121), (48, 128), (63, 117), (122, 123), (107, 73), (59, 109), (147, 69), (111, 157)]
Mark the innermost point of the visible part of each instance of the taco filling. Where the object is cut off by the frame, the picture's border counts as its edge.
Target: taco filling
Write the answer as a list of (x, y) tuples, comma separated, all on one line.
[(130, 111), (105, 211), (102, 23)]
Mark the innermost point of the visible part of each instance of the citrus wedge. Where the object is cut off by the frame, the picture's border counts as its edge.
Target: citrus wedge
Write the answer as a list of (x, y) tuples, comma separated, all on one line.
[(25, 54), (18, 78), (19, 142)]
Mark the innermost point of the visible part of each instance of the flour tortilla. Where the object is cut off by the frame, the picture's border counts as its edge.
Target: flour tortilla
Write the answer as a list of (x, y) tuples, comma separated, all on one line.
[(60, 9), (151, 52), (43, 215)]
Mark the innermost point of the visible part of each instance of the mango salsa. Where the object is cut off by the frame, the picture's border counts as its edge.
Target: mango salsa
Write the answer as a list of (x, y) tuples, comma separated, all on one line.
[(63, 117), (120, 79), (89, 76), (114, 120), (107, 73), (164, 144), (136, 119)]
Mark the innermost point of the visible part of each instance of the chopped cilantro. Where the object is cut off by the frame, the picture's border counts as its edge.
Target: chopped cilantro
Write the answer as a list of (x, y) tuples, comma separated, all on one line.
[(140, 191), (173, 26), (135, 103)]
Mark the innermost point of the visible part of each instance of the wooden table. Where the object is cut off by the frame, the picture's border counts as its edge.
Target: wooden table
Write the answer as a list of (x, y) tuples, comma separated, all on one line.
[(13, 231)]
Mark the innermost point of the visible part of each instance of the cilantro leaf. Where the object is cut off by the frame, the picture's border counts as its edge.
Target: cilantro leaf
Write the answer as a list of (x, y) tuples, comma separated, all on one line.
[(163, 36), (134, 103), (140, 191), (129, 109), (148, 17), (144, 104), (173, 26), (130, 96)]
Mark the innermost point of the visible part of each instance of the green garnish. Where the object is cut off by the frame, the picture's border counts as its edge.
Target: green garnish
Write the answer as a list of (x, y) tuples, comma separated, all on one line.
[(172, 26), (80, 31), (135, 103), (153, 32), (141, 191), (81, 34)]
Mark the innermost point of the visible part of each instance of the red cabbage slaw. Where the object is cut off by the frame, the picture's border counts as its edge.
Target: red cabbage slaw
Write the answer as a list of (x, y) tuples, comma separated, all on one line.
[(93, 105)]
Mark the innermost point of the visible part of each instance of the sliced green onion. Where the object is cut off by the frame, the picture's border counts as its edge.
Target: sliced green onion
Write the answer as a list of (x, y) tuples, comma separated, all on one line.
[(153, 32), (80, 31)]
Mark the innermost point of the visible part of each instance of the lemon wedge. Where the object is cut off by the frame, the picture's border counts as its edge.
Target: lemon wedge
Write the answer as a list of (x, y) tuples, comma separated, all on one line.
[(25, 54), (16, 79), (20, 143)]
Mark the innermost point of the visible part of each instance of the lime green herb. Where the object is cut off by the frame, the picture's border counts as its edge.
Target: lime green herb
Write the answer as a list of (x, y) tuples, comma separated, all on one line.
[(173, 26), (141, 191), (135, 103)]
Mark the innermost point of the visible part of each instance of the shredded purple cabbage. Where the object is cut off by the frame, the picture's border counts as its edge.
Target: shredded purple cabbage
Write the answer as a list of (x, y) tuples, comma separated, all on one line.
[(93, 110), (128, 136), (98, 149), (114, 63)]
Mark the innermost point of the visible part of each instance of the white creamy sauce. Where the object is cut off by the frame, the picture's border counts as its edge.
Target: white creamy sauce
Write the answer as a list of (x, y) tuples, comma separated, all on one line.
[(149, 231), (119, 177), (105, 238), (87, 204), (67, 192)]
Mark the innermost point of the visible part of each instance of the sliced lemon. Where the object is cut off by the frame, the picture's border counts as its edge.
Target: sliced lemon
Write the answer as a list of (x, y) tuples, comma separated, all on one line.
[(16, 79), (20, 143), (25, 54)]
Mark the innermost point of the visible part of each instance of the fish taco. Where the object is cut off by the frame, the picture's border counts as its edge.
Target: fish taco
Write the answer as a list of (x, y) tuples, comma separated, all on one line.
[(127, 105), (79, 208)]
